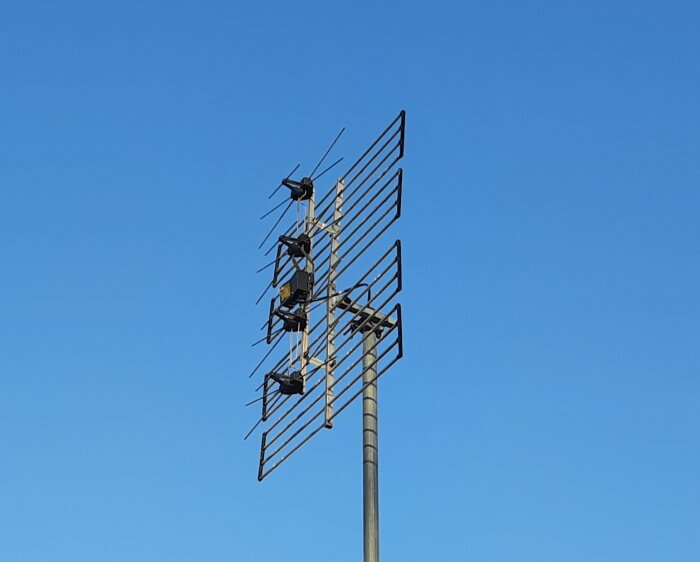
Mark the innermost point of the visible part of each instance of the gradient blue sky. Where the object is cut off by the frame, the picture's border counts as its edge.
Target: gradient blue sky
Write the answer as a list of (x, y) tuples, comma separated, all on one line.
[(548, 408)]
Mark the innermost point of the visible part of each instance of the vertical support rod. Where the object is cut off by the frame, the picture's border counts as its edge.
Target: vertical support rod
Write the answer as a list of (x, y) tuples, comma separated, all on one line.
[(370, 451), (309, 223), (334, 233)]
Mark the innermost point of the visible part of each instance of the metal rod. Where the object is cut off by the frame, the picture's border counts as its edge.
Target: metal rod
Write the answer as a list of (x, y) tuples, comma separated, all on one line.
[(264, 267), (281, 183), (335, 140), (265, 357), (276, 223), (329, 168), (273, 209)]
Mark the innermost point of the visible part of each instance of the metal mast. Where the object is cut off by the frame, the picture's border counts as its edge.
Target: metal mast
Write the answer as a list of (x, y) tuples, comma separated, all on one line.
[(370, 453)]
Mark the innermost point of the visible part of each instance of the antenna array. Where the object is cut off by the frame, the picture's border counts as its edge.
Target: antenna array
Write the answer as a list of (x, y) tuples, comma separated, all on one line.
[(337, 280)]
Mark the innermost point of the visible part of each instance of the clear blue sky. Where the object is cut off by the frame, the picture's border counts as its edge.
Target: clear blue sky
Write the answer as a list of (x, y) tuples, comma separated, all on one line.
[(548, 408)]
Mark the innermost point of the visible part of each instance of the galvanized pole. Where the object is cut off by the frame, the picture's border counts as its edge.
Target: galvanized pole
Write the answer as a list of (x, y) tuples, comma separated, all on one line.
[(370, 450)]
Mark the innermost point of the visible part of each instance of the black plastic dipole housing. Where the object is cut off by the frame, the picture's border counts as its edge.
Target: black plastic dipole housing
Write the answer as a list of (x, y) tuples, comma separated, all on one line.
[(289, 384), (298, 247), (300, 190), (293, 321)]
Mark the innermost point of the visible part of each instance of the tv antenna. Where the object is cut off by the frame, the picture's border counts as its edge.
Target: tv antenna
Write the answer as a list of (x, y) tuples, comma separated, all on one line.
[(337, 282)]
